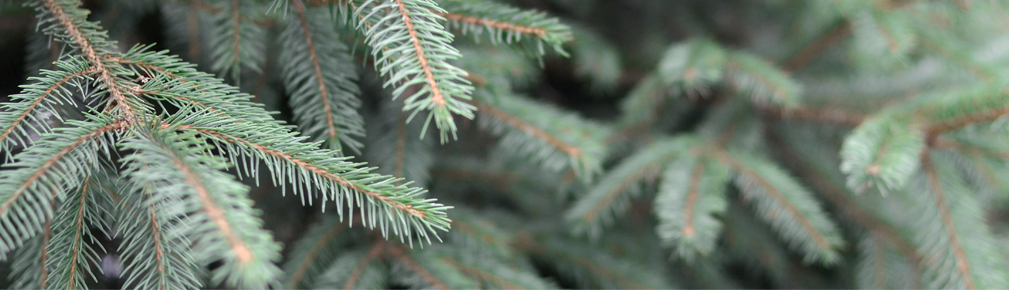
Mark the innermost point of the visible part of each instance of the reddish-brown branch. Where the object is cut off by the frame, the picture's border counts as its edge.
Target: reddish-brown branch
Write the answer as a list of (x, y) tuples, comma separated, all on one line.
[(156, 232), (321, 243), (817, 47), (193, 23), (965, 120), (308, 166), (45, 254), (853, 210), (397, 167), (828, 115), (692, 197), (39, 99), (818, 238), (215, 213), (534, 31), (399, 254), (613, 194), (372, 254), (436, 97), (606, 273), (52, 162), (236, 30), (93, 56), (320, 81), (962, 265), (528, 128), (481, 274), (77, 236)]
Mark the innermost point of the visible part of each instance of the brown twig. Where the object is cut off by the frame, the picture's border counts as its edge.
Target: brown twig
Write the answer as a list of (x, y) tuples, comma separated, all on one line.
[(962, 265)]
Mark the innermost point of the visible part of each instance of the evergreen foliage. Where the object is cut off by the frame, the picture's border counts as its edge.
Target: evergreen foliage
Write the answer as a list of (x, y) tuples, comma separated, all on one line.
[(581, 144)]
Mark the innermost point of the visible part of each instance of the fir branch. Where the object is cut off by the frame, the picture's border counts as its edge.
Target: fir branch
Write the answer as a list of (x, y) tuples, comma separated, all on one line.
[(238, 42), (691, 194), (202, 194), (72, 258), (410, 47), (507, 24), (570, 150), (46, 172), (786, 205), (612, 194), (149, 231), (590, 267), (882, 152), (372, 275), (534, 31), (251, 135), (42, 96), (73, 25), (29, 269), (962, 265), (322, 82), (983, 116), (761, 81), (399, 254), (527, 127), (963, 251), (879, 229), (814, 114), (313, 251), (375, 252), (421, 215), (815, 48), (394, 147), (482, 274)]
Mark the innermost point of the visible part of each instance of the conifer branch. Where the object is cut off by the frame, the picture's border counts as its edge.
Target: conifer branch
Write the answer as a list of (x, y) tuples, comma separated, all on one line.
[(481, 274), (210, 204), (408, 209), (214, 212), (691, 202), (310, 257), (534, 31), (71, 28), (78, 230), (398, 253), (397, 167), (323, 94), (818, 235), (411, 48), (321, 82), (528, 128), (25, 112), (236, 32), (850, 208), (612, 194), (193, 23), (436, 97), (29, 184), (815, 114), (963, 267), (43, 270), (959, 122), (817, 47), (375, 252)]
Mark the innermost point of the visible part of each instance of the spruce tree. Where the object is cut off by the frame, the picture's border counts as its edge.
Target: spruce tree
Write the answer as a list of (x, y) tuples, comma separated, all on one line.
[(461, 144)]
